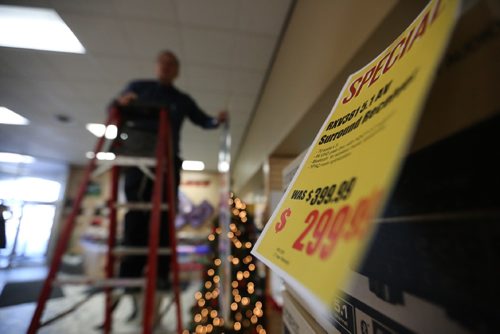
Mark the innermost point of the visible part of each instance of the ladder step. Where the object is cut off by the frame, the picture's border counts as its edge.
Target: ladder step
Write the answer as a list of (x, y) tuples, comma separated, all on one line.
[(138, 206), (123, 160), (121, 250), (101, 282), (140, 162)]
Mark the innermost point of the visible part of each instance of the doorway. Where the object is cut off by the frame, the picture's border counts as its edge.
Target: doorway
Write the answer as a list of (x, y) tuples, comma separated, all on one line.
[(30, 208)]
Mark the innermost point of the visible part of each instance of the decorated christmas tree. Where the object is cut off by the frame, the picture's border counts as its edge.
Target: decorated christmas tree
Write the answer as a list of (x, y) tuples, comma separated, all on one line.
[(206, 309), (246, 286)]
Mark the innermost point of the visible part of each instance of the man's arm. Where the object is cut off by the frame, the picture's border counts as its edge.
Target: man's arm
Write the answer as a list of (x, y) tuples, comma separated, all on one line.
[(199, 117)]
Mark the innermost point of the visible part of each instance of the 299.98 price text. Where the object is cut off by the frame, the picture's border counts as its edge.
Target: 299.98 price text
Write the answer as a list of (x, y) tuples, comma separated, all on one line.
[(324, 229)]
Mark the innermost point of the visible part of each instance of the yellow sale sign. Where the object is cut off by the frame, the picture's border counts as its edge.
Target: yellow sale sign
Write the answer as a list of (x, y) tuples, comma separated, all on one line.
[(325, 220)]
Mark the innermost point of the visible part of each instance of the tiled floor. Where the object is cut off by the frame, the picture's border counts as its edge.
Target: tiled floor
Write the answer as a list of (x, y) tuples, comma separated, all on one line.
[(25, 273), (16, 319)]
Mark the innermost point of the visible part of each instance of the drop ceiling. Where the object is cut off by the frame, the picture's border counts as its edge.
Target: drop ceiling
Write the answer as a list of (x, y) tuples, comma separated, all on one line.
[(225, 48)]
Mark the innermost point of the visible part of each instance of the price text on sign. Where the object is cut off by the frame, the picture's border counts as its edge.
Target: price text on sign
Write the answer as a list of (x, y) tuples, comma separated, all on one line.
[(323, 229), (325, 195)]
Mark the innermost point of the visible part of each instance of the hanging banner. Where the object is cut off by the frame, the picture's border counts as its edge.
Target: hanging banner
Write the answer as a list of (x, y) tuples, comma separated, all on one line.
[(325, 219)]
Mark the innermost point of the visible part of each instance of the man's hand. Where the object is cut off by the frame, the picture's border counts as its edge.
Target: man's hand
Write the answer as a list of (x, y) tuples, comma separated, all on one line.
[(126, 98), (222, 117)]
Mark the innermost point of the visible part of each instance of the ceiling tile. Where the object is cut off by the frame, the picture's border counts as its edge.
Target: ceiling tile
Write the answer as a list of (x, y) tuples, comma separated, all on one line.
[(31, 3), (59, 89), (245, 103), (59, 98), (208, 47), (88, 7), (74, 66), (48, 142), (237, 127), (9, 88), (99, 35), (149, 9), (242, 82), (212, 14), (27, 63), (123, 70), (253, 51), (194, 131), (263, 16), (239, 115), (198, 143), (99, 93), (147, 38), (212, 103), (236, 132), (208, 78), (7, 70), (80, 112), (29, 101)]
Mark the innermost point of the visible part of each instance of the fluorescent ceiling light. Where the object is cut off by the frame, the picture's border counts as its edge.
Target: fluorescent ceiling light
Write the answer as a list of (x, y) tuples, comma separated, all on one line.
[(106, 156), (97, 130), (16, 158), (100, 130), (101, 155), (111, 132), (7, 116), (223, 166), (36, 28), (193, 165)]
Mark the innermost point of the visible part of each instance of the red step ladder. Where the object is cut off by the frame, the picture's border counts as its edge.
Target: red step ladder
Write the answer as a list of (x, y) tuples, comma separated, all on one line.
[(163, 175)]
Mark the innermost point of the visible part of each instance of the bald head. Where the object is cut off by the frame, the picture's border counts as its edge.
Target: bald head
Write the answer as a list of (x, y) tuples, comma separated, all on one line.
[(167, 67)]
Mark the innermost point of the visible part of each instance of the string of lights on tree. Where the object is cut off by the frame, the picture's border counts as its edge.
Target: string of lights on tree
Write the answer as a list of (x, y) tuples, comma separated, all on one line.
[(247, 314)]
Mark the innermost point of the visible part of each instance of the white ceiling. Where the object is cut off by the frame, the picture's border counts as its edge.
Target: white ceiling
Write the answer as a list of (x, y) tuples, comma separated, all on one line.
[(225, 48)]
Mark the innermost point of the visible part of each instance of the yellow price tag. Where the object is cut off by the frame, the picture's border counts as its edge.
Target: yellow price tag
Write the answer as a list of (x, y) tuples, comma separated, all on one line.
[(324, 221)]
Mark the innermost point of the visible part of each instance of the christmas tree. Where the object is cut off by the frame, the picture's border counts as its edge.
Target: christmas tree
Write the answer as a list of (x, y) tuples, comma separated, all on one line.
[(245, 297)]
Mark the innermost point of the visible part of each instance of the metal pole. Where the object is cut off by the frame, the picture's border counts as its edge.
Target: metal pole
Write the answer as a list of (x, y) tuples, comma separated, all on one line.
[(224, 167)]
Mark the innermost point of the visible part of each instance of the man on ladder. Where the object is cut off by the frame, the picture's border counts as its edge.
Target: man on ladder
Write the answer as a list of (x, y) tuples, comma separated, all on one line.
[(171, 108), (138, 186)]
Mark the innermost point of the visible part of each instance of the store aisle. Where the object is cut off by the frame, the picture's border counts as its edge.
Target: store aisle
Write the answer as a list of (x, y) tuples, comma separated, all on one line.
[(15, 319)]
